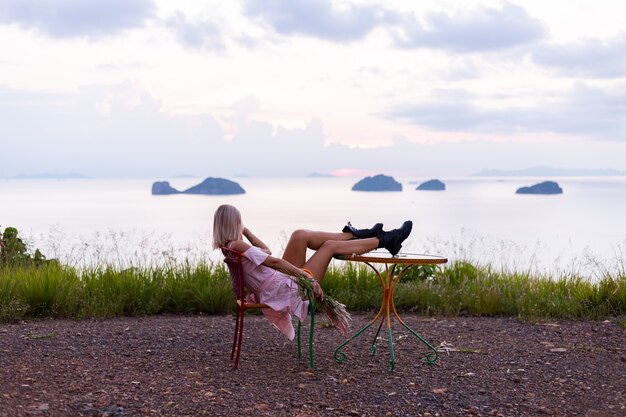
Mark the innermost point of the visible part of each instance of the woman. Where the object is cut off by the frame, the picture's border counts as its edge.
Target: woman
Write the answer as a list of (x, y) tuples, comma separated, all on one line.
[(269, 278)]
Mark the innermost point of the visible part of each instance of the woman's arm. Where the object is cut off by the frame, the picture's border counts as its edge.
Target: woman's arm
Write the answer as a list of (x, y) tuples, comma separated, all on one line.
[(283, 266), (292, 270), (255, 241), (271, 261), (286, 267)]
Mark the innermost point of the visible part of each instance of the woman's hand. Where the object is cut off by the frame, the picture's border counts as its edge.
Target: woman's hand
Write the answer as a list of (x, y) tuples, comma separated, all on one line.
[(317, 290)]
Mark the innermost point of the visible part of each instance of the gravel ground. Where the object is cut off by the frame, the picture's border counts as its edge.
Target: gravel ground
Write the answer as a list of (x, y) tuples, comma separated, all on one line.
[(179, 366)]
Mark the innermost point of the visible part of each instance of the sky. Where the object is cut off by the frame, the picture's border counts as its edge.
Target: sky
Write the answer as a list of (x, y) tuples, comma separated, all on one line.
[(157, 89)]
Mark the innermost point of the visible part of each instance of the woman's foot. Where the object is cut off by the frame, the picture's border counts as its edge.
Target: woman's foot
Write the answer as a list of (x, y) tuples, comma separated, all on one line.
[(363, 233), (392, 240)]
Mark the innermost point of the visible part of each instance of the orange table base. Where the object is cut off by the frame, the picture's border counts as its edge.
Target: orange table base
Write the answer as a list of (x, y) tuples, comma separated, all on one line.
[(388, 280)]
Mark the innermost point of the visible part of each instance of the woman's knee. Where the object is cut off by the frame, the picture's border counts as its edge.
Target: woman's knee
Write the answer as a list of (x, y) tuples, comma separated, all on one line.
[(300, 235), (331, 246)]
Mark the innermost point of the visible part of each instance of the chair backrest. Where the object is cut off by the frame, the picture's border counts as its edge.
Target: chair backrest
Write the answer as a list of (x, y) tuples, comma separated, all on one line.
[(232, 258)]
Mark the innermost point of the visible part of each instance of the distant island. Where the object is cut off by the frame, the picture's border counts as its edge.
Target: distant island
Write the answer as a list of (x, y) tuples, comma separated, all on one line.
[(432, 185), (210, 186), (543, 171), (546, 187), (377, 183), (49, 176), (163, 188), (320, 175)]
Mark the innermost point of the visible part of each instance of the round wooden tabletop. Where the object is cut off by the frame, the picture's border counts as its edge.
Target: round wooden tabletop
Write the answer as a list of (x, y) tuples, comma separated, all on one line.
[(400, 258)]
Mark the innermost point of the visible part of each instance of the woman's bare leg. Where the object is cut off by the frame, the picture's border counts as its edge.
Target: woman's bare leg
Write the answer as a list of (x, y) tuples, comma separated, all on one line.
[(318, 263), (301, 239)]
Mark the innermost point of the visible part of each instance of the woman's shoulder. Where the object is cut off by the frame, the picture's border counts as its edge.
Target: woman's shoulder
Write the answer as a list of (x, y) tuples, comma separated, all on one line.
[(250, 252), (238, 245)]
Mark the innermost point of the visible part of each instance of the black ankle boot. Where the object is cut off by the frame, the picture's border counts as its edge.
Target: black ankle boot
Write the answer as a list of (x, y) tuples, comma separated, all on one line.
[(363, 233), (392, 240)]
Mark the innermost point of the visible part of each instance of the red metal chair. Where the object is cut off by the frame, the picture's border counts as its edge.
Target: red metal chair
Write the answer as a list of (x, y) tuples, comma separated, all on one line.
[(233, 259)]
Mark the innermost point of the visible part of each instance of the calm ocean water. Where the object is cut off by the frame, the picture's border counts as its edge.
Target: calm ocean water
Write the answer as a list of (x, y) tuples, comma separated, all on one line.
[(481, 219)]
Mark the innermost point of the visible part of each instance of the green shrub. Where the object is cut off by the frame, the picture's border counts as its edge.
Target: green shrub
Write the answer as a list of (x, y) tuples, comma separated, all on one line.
[(13, 251), (418, 272)]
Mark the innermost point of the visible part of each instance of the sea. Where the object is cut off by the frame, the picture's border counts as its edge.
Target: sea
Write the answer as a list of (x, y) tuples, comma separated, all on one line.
[(478, 219)]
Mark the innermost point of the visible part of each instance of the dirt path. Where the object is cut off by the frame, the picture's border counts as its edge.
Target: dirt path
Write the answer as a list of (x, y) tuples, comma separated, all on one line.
[(179, 366)]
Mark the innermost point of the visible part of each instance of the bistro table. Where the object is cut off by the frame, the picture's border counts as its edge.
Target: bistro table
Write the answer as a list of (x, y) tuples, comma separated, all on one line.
[(389, 277)]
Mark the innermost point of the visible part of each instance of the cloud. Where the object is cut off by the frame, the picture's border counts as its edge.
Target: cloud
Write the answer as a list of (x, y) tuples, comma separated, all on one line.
[(120, 130), (582, 111), (318, 18), (244, 109), (261, 148), (121, 66), (123, 131), (460, 68), (20, 98), (484, 29), (77, 18), (196, 34), (587, 58), (103, 130)]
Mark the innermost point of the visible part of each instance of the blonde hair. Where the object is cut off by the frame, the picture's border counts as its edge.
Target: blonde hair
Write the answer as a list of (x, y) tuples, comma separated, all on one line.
[(227, 225)]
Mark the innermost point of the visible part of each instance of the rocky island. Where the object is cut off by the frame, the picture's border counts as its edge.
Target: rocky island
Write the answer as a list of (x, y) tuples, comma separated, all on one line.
[(210, 186), (377, 183), (432, 185), (546, 187), (163, 188)]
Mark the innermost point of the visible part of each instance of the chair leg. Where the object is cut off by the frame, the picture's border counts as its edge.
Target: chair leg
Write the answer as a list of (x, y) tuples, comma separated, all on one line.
[(312, 313), (299, 349), (232, 351), (240, 338)]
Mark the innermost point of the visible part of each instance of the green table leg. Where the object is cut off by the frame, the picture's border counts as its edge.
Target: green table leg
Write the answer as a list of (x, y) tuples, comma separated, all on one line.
[(392, 363), (433, 355), (341, 356), (373, 350)]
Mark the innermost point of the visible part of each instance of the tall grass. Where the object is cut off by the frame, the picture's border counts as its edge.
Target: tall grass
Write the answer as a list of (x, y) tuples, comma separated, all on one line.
[(63, 292), (354, 285), (463, 288), (54, 290)]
